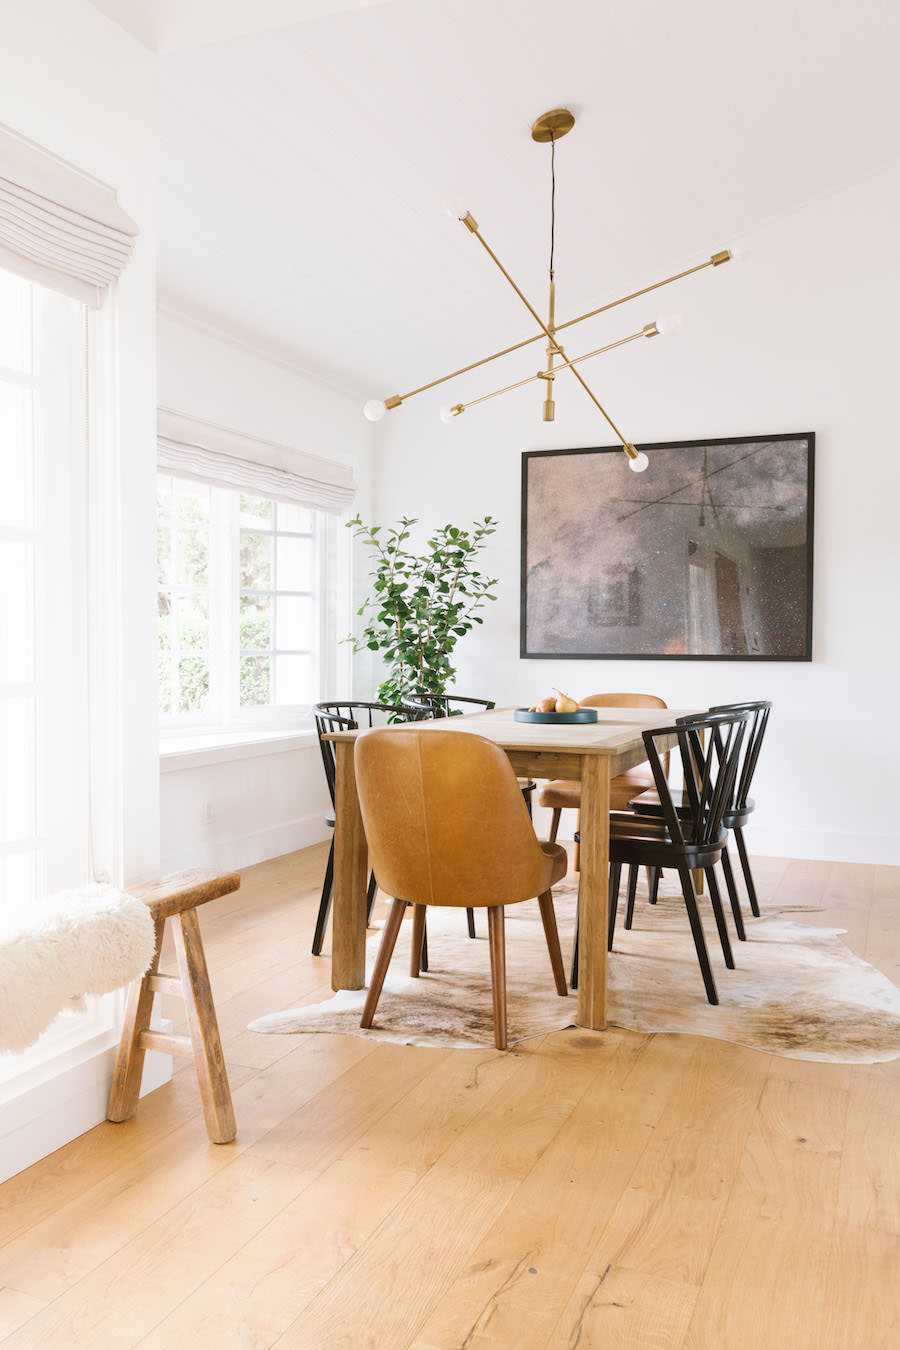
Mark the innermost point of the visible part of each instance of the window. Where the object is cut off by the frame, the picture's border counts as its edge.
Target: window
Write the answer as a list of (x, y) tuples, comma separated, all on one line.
[(246, 630), (43, 699)]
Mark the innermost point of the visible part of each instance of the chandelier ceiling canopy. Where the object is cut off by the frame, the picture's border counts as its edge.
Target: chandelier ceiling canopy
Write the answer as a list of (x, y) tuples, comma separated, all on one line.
[(547, 130)]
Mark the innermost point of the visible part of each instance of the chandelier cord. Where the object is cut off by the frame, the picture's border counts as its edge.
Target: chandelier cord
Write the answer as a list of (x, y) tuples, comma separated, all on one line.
[(552, 199)]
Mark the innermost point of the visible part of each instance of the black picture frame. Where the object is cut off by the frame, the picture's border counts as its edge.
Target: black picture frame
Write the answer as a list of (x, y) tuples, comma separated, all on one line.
[(736, 574)]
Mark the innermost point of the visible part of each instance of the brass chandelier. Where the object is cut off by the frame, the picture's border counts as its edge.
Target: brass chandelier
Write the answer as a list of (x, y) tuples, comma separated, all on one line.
[(548, 129)]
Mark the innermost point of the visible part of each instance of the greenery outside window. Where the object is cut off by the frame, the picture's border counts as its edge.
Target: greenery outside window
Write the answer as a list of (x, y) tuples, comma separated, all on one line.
[(246, 608)]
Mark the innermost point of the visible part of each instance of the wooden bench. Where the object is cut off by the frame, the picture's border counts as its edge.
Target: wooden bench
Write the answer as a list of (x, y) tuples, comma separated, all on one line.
[(177, 896)]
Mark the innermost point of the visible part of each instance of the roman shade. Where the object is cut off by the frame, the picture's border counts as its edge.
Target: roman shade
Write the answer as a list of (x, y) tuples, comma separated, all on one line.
[(211, 454), (59, 227)]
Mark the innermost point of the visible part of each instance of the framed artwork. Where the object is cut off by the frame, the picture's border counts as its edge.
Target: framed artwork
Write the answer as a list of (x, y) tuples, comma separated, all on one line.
[(706, 556)]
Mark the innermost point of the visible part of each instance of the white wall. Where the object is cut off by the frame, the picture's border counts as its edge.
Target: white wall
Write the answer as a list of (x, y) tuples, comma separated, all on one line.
[(255, 802), (799, 337), (77, 85)]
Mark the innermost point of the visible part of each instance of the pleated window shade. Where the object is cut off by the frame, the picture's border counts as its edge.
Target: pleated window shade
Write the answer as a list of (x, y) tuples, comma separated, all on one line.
[(57, 226), (210, 454)]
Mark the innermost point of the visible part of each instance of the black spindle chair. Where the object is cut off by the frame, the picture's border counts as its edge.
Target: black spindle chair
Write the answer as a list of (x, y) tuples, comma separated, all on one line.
[(344, 715), (687, 835)]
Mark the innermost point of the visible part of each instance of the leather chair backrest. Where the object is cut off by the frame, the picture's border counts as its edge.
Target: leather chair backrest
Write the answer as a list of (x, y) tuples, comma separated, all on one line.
[(445, 819), (623, 701)]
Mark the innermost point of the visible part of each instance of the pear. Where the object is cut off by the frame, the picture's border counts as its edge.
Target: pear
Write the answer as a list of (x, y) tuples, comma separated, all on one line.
[(547, 705), (565, 704)]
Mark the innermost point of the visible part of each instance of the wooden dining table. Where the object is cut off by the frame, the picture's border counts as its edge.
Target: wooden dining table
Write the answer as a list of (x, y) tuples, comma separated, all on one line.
[(593, 753)]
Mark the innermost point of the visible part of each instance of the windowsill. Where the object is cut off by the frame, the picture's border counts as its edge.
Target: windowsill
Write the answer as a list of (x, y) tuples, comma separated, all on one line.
[(218, 747)]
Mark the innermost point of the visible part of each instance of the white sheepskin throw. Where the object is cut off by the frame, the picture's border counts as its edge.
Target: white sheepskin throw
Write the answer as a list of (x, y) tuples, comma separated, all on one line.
[(90, 940)]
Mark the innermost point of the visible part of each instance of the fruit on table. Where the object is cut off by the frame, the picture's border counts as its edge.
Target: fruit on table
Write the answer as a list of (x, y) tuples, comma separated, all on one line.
[(565, 704)]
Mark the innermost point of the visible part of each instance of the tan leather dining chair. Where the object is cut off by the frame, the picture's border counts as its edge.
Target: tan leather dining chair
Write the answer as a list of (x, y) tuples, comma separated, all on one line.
[(446, 825), (561, 793)]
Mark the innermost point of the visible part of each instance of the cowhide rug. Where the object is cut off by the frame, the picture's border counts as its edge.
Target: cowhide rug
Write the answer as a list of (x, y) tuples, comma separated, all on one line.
[(798, 990)]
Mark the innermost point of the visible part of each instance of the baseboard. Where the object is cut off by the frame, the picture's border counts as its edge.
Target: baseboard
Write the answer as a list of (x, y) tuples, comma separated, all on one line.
[(243, 850), (52, 1113), (823, 845)]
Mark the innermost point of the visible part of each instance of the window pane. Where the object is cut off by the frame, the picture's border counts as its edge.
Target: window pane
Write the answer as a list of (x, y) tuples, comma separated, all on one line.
[(17, 642), (294, 570), (256, 512), (255, 681), (191, 501), (15, 322), (294, 616), (193, 557), (16, 456), (18, 880), (17, 769), (193, 684), (193, 622), (293, 518), (293, 680), (164, 668), (165, 624), (256, 562), (256, 623)]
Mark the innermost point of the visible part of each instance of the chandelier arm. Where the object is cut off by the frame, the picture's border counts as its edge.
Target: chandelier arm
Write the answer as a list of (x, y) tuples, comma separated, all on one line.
[(546, 331), (542, 374), (526, 342)]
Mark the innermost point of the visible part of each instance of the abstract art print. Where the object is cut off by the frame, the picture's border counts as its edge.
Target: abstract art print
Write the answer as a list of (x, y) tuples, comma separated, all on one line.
[(705, 556)]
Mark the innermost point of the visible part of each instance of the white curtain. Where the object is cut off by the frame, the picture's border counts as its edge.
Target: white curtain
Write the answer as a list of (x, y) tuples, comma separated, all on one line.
[(59, 227), (211, 454)]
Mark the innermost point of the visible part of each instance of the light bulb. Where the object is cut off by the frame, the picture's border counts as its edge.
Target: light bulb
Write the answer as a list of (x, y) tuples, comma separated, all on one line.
[(667, 324), (374, 410), (456, 208), (639, 463), (447, 414), (738, 252)]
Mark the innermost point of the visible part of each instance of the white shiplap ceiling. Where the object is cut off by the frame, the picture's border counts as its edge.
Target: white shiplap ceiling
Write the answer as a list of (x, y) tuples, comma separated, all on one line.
[(303, 170)]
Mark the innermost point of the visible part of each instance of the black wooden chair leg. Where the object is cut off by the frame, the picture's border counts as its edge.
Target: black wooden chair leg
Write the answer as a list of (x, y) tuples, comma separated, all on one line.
[(324, 904), (690, 901), (574, 980), (745, 866), (733, 896), (632, 892), (615, 881), (470, 920), (424, 962), (655, 874), (715, 900), (370, 897)]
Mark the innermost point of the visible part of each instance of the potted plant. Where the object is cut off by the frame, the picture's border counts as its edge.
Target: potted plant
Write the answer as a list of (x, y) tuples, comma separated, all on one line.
[(421, 603)]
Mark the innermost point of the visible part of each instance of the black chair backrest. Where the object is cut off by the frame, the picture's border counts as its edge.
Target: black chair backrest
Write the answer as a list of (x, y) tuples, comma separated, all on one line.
[(344, 715), (710, 773), (444, 705), (759, 718)]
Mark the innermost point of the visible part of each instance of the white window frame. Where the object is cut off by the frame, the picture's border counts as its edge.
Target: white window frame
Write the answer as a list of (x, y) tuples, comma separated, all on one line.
[(331, 602)]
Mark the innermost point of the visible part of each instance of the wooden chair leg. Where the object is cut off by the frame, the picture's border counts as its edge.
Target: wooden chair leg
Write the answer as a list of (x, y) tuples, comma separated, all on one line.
[(551, 933), (573, 980), (632, 892), (370, 897), (554, 823), (733, 896), (654, 874), (470, 920), (203, 1028), (577, 861), (324, 904), (497, 944), (615, 881), (715, 899), (383, 960), (748, 875), (418, 933), (126, 1084), (690, 900)]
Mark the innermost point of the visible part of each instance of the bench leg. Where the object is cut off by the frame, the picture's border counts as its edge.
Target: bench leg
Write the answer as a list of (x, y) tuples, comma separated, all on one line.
[(204, 1030), (126, 1084)]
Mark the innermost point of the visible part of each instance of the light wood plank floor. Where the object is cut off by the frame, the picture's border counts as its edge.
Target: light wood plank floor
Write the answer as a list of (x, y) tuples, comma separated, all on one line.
[(611, 1190)]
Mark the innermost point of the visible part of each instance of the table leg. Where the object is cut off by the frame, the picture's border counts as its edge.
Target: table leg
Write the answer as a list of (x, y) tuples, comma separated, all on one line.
[(351, 868), (593, 892)]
